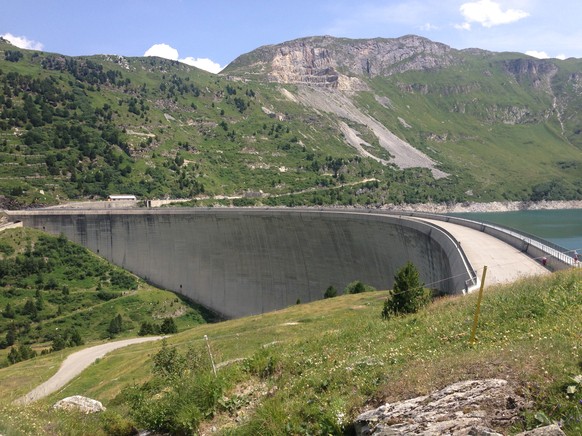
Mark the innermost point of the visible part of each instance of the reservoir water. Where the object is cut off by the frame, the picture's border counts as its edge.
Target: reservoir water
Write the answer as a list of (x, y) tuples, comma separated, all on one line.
[(562, 226)]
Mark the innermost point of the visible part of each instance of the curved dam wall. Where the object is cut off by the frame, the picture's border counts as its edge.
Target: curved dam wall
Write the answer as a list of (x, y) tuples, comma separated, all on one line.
[(240, 262)]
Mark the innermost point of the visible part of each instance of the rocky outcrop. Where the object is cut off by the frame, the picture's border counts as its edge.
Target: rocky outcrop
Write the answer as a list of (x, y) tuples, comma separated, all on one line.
[(468, 407), (537, 72), (338, 62), (80, 403)]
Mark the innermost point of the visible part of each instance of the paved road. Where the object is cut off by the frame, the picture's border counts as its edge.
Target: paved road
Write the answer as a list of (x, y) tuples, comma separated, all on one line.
[(75, 364), (504, 262)]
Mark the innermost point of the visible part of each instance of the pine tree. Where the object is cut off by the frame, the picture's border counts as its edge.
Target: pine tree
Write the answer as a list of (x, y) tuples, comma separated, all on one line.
[(75, 339), (8, 312), (58, 343), (330, 292), (39, 300), (408, 294), (115, 326), (14, 356), (169, 326), (11, 335)]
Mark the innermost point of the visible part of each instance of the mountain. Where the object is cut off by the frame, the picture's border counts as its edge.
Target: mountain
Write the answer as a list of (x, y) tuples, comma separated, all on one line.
[(333, 61), (318, 120)]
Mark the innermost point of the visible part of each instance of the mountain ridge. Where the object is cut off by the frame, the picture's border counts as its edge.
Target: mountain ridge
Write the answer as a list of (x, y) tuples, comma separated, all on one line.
[(309, 121)]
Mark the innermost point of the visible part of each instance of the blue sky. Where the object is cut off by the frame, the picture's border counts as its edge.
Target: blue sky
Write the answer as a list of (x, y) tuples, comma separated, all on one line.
[(212, 33)]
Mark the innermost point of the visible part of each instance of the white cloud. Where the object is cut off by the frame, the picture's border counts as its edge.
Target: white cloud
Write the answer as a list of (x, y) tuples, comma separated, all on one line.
[(544, 55), (489, 13), (22, 42), (464, 26), (428, 27), (537, 54), (168, 52), (203, 64), (163, 51)]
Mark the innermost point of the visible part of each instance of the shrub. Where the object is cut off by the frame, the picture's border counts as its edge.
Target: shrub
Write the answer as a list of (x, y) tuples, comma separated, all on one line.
[(330, 292), (106, 296), (122, 280), (168, 326), (262, 364), (6, 248), (148, 328), (116, 425), (408, 295), (115, 326), (357, 287), (181, 394)]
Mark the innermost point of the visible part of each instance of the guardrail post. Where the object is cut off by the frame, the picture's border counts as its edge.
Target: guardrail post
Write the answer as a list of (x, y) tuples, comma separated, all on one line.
[(210, 353), (476, 319)]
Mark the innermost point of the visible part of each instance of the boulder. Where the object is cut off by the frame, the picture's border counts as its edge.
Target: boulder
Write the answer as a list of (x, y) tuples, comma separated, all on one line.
[(471, 407), (80, 403)]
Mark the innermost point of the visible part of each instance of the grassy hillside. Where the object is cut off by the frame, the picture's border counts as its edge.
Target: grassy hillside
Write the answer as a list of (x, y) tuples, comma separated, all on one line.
[(86, 127), (55, 294), (490, 126), (82, 127), (311, 369)]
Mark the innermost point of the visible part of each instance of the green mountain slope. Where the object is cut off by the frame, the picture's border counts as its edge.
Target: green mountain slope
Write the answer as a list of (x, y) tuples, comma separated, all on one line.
[(271, 129)]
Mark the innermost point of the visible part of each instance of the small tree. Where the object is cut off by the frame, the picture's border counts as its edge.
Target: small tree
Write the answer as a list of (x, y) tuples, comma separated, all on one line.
[(58, 343), (11, 335), (115, 326), (75, 338), (330, 292), (14, 356), (8, 312), (26, 352), (357, 287), (30, 310), (408, 295), (168, 326), (146, 328), (39, 300)]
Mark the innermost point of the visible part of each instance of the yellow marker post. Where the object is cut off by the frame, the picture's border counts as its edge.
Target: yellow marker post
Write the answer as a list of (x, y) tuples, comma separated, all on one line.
[(476, 320)]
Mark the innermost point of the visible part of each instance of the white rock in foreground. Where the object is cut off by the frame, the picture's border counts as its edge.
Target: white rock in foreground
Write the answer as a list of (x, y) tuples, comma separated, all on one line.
[(80, 403)]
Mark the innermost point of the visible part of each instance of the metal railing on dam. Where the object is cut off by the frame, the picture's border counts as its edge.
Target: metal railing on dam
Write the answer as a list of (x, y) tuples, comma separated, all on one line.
[(536, 247), (246, 261)]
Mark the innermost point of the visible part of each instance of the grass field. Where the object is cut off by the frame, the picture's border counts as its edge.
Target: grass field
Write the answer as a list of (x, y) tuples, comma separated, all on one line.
[(310, 369)]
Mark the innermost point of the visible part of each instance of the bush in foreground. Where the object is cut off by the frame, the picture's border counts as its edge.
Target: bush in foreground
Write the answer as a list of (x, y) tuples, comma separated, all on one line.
[(180, 395)]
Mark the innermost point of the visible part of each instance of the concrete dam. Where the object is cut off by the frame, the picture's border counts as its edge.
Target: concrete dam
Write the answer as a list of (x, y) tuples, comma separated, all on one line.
[(240, 262)]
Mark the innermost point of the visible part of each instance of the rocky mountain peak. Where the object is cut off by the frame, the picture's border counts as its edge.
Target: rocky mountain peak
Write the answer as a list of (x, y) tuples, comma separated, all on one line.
[(340, 62)]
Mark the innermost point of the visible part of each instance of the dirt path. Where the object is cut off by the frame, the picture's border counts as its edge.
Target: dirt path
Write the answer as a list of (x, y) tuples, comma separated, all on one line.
[(75, 364)]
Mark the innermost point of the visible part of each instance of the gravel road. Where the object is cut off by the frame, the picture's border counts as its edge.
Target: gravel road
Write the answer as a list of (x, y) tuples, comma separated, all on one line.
[(75, 364)]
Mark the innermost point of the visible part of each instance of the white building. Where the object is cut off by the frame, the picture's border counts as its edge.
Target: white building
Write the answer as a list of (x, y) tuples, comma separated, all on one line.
[(125, 197)]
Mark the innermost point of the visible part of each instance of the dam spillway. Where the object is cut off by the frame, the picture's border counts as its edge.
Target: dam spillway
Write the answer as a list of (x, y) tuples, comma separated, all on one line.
[(240, 262)]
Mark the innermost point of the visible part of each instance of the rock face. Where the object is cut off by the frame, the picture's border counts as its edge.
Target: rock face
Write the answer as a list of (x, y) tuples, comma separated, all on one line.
[(80, 403), (468, 407), (337, 62)]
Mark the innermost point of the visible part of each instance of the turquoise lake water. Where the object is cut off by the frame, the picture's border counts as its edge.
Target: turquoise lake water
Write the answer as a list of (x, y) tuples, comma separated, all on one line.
[(562, 227)]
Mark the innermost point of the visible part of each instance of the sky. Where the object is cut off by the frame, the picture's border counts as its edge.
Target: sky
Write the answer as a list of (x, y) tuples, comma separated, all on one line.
[(210, 34)]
